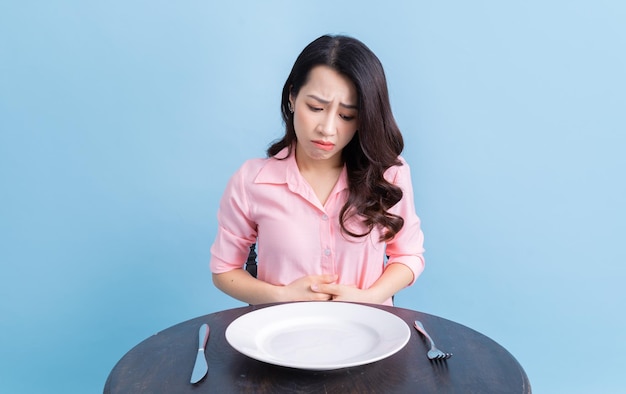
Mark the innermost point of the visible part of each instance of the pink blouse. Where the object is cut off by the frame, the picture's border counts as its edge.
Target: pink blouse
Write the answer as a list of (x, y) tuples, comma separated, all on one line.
[(267, 201)]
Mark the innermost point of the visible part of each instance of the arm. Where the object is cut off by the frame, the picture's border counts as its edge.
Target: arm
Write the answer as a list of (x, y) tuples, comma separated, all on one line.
[(239, 284), (237, 230)]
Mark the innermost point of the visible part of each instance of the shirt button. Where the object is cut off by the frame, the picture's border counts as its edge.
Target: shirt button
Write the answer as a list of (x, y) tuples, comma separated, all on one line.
[(324, 217), (327, 252)]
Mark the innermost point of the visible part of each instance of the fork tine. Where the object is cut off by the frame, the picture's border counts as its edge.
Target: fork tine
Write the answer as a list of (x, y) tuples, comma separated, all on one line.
[(443, 356), (434, 353)]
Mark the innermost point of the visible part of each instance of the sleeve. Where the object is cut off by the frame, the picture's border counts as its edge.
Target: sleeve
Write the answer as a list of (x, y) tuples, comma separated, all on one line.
[(407, 247), (236, 230)]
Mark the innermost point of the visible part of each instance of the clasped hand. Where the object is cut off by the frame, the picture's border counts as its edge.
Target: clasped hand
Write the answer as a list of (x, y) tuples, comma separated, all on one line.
[(324, 288)]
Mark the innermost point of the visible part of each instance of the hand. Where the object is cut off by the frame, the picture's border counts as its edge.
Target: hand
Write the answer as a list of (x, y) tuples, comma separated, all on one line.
[(348, 293), (395, 277), (302, 289)]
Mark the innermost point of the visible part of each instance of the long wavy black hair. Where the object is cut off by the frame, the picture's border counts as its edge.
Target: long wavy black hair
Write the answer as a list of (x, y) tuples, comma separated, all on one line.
[(376, 145)]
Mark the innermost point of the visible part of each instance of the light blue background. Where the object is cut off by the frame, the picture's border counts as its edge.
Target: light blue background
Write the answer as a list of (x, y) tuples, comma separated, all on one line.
[(121, 122)]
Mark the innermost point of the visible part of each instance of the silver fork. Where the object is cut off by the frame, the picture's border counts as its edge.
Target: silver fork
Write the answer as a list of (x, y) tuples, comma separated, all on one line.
[(433, 353)]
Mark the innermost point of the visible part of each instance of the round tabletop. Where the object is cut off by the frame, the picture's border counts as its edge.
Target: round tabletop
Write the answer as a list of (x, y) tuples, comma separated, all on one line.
[(163, 364)]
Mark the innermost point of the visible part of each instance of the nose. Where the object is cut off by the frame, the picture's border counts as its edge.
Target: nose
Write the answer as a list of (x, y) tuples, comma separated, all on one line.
[(327, 125)]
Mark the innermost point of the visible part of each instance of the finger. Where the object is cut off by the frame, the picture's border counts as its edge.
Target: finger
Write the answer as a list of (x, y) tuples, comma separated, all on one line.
[(329, 278), (323, 297), (320, 294), (325, 288)]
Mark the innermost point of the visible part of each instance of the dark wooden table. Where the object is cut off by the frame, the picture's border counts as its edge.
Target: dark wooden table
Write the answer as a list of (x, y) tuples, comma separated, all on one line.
[(163, 364)]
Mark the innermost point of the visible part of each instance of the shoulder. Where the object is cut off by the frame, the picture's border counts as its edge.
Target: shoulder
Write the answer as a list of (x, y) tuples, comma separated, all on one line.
[(263, 170), (399, 172), (250, 168)]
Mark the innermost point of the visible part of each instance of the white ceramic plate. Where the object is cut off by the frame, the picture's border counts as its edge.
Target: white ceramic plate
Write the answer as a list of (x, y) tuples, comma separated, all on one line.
[(318, 335)]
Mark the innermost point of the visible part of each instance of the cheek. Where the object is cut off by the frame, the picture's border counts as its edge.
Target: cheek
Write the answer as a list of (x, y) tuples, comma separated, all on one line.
[(296, 124), (300, 122), (349, 134)]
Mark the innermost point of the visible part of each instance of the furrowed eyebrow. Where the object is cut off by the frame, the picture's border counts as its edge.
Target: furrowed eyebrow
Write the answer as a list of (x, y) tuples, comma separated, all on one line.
[(348, 106)]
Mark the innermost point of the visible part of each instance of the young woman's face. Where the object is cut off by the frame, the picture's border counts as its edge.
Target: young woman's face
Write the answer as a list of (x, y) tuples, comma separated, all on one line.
[(325, 115)]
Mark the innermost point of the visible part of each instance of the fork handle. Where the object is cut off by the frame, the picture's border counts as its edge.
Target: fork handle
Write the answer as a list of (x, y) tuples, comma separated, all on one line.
[(420, 327)]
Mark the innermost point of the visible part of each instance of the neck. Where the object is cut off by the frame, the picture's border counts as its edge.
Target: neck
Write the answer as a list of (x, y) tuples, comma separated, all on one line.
[(306, 164)]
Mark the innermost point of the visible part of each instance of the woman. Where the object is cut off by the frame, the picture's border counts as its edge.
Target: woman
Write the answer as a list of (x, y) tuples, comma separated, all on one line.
[(332, 199)]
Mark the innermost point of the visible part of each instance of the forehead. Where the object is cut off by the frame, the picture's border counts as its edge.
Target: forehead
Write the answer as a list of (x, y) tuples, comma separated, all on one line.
[(328, 84)]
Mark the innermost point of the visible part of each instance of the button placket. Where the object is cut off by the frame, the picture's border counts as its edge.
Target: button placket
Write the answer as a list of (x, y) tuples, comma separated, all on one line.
[(326, 244)]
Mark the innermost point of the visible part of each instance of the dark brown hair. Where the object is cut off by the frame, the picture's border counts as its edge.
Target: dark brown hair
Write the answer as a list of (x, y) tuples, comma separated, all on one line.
[(376, 145)]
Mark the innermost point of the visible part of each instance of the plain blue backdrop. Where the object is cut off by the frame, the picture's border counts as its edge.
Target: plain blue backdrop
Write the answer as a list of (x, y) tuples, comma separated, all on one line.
[(121, 121)]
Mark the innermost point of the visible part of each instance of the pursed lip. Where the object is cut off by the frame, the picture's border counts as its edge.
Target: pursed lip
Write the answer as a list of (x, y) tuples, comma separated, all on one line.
[(325, 145)]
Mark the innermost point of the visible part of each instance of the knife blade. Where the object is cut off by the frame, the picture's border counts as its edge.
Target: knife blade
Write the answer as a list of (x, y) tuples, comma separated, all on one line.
[(201, 367)]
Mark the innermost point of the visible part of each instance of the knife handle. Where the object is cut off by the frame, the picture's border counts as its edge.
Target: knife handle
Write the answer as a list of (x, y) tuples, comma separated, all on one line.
[(203, 337)]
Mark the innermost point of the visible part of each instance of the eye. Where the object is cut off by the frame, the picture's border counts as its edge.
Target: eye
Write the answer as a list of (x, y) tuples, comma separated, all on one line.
[(313, 108), (347, 118)]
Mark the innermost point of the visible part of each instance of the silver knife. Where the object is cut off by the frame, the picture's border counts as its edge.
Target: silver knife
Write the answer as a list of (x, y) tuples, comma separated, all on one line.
[(201, 367)]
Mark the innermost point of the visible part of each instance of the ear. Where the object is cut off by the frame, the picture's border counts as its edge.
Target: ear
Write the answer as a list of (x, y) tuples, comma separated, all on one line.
[(292, 98)]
